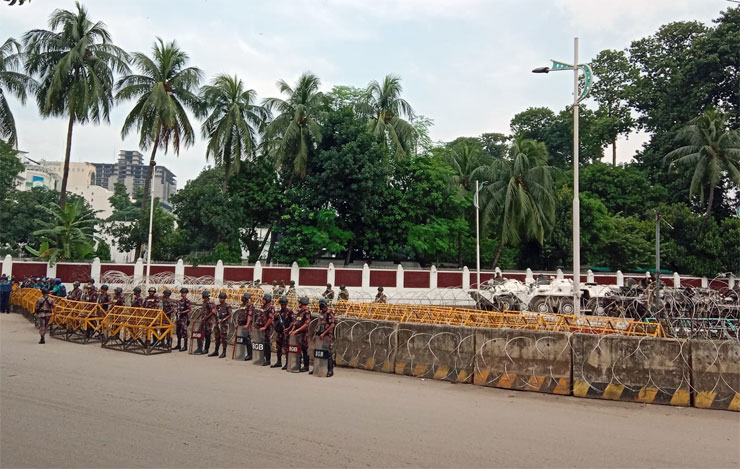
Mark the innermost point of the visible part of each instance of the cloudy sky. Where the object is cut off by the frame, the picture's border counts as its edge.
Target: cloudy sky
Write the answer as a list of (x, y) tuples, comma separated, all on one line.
[(464, 63)]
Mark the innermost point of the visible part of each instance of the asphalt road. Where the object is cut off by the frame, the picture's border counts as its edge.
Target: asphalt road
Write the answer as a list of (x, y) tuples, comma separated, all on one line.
[(69, 405)]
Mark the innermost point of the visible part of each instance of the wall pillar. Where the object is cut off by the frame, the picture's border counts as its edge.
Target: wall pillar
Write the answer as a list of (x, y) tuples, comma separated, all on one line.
[(138, 271), (331, 275), (218, 274), (94, 270), (433, 277), (366, 276), (295, 273), (8, 266), (179, 273), (620, 278), (466, 278), (399, 278), (258, 271)]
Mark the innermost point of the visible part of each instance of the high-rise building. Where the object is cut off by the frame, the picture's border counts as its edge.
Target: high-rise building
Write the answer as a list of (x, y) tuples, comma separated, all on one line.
[(131, 171), (36, 174)]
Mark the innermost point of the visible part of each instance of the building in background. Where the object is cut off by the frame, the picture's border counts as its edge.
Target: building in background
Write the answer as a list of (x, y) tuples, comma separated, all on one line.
[(36, 174), (131, 171), (80, 174)]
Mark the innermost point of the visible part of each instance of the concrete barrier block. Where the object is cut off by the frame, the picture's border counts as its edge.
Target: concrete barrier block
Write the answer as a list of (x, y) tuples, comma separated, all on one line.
[(525, 360), (638, 369), (436, 352), (715, 369), (365, 344)]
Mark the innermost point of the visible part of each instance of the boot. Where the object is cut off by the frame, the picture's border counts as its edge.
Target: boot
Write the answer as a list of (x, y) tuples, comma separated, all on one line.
[(278, 363), (184, 345), (208, 344), (330, 373), (199, 350), (285, 367), (215, 352), (248, 357), (249, 350), (310, 372), (267, 354), (177, 347), (42, 341), (223, 353)]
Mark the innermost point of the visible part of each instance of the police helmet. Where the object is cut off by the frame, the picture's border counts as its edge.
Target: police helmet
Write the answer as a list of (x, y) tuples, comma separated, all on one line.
[(222, 296), (92, 280), (328, 285), (119, 290), (246, 296), (303, 300), (322, 303), (58, 281), (267, 297), (342, 287), (137, 290), (184, 290), (76, 283), (44, 291), (292, 282), (380, 288), (206, 294), (274, 282), (152, 290), (167, 293), (104, 287), (283, 300)]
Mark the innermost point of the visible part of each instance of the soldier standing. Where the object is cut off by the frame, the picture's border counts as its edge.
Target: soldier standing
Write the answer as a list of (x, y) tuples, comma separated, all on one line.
[(265, 319), (104, 298), (380, 297), (283, 322), (170, 309), (5, 289), (91, 296), (152, 301), (207, 322), (221, 329), (300, 329), (183, 319), (137, 301), (274, 288), (244, 319), (291, 289), (343, 293), (281, 289), (44, 309), (76, 293), (325, 331), (328, 293), (118, 299)]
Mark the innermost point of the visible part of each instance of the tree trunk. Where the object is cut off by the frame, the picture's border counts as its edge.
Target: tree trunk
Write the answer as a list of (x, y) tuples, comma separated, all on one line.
[(459, 250), (67, 154), (262, 244), (498, 253), (147, 185), (350, 247), (709, 207), (614, 151)]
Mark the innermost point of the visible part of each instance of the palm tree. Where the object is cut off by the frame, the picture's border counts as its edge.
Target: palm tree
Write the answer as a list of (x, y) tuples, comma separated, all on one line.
[(69, 233), (713, 150), (520, 194), (295, 130), (12, 81), (165, 88), (234, 122), (386, 109), (75, 61)]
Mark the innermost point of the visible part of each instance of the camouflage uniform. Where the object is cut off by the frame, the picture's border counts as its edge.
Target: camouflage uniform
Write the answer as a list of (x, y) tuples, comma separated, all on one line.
[(43, 308), (264, 317), (381, 298), (118, 300), (183, 319), (303, 317), (169, 306), (104, 300), (91, 296), (75, 294), (325, 328), (221, 330), (244, 316), (151, 302), (208, 321), (137, 301), (281, 337), (328, 294), (343, 295)]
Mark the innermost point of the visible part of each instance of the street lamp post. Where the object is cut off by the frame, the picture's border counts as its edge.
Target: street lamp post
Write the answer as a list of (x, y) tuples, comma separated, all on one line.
[(577, 98), (477, 234)]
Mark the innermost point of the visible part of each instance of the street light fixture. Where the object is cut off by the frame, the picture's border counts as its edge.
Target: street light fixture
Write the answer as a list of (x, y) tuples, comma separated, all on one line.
[(577, 98), (476, 202)]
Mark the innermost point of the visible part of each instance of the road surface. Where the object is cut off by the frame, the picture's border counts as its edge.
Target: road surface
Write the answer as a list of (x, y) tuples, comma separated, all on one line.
[(70, 405)]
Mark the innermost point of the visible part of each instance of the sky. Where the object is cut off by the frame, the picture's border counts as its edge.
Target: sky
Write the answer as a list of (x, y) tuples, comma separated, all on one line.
[(465, 64)]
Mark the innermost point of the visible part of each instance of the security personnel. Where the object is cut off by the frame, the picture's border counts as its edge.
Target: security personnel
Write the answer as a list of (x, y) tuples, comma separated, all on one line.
[(283, 322), (265, 317), (59, 289), (291, 289), (244, 319), (137, 301), (104, 299), (91, 296), (274, 288), (207, 322), (118, 299), (152, 301), (281, 289), (380, 297), (328, 293), (343, 293), (221, 329), (76, 293), (300, 329), (44, 309), (5, 289), (184, 306), (325, 331), (169, 307)]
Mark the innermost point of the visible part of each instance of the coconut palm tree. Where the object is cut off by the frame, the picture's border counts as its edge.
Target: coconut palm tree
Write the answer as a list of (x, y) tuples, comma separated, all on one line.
[(234, 122), (386, 109), (712, 151), (520, 194), (69, 233), (296, 129), (14, 81), (75, 61), (165, 88)]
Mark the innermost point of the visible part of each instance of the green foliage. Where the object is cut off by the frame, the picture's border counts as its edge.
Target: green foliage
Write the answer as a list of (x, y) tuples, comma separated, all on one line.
[(310, 234), (102, 251), (69, 234), (10, 167), (383, 104), (622, 189), (12, 81)]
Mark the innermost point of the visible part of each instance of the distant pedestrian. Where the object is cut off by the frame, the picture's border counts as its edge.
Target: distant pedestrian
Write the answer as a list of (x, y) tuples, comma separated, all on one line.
[(5, 289)]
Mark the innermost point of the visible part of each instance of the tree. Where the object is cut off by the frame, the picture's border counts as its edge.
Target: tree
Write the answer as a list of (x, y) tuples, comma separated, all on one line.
[(623, 189), (521, 194), (386, 109), (165, 89), (234, 123), (13, 81), (69, 234), (124, 208), (75, 61), (10, 167), (611, 90), (295, 130), (712, 151), (130, 234)]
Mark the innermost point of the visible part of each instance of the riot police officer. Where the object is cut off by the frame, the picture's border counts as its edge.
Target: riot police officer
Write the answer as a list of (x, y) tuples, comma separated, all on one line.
[(283, 322), (300, 329), (76, 293), (184, 306), (244, 319), (104, 298), (265, 318), (325, 331), (118, 299), (221, 329), (152, 301), (208, 320), (137, 301), (169, 307)]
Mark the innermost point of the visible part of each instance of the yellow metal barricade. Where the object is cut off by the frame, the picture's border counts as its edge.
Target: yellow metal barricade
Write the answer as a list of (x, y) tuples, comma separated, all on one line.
[(141, 330), (76, 321)]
